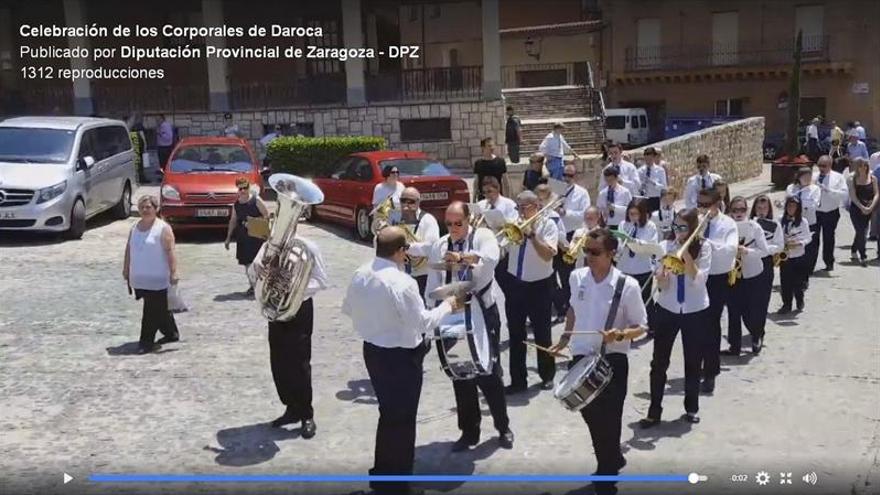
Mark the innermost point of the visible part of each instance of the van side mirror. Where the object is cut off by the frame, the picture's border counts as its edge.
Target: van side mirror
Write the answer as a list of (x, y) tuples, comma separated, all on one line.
[(86, 162)]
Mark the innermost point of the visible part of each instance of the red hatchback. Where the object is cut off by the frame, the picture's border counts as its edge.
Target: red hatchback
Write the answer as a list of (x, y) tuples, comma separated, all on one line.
[(198, 184), (348, 190)]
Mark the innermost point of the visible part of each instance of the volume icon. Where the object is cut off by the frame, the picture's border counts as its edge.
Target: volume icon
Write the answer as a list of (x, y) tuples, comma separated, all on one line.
[(810, 478)]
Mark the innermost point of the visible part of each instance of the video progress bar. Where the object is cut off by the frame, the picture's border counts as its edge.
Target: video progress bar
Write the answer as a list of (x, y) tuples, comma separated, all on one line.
[(426, 478)]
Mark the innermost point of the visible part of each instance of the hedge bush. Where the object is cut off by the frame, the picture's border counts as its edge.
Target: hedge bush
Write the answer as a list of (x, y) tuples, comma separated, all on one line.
[(314, 156)]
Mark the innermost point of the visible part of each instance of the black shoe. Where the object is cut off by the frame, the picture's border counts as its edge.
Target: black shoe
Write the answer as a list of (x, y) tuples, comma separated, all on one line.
[(692, 418), (800, 305), (506, 439), (547, 385), (757, 345), (730, 352), (829, 267), (465, 442), (514, 389), (168, 340), (708, 385), (784, 310), (649, 422), (149, 349), (863, 262), (285, 419), (308, 428), (249, 292)]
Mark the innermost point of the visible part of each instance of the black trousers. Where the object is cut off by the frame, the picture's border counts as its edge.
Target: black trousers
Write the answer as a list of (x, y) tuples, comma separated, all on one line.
[(693, 330), (396, 376), (163, 152), (813, 149), (422, 280), (793, 276), (653, 204), (466, 399), (563, 271), (156, 317), (860, 224), (290, 355), (502, 276), (826, 226), (766, 289), (744, 307), (604, 417), (812, 249), (513, 152), (532, 300), (719, 292)]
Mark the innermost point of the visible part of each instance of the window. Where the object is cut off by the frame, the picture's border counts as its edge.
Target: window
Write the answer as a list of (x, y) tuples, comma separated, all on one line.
[(725, 38), (363, 170), (643, 121), (111, 141), (30, 145), (425, 130), (729, 108), (615, 122), (648, 42), (87, 144), (416, 166), (211, 158), (341, 168), (635, 122), (809, 19), (435, 12)]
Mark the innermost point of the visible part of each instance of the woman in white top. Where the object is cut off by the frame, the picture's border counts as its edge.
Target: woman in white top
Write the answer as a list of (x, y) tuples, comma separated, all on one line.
[(746, 295), (662, 218), (793, 271), (150, 268), (809, 195), (639, 266), (762, 212), (392, 186), (681, 305)]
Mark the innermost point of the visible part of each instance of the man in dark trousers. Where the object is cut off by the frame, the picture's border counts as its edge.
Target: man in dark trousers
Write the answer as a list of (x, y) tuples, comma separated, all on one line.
[(513, 134)]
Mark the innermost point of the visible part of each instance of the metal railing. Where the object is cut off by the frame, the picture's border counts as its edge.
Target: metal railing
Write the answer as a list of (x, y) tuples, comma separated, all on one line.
[(537, 75), (431, 83), (315, 90), (39, 99), (113, 97), (745, 53)]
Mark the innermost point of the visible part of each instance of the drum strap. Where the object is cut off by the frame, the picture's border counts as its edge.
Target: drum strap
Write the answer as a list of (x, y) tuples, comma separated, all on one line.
[(615, 303)]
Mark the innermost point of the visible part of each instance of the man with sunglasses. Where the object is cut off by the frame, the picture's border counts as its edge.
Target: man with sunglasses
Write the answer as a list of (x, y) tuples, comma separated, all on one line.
[(530, 293), (424, 226), (576, 200), (386, 310), (478, 249), (627, 172), (595, 287), (833, 192), (722, 237), (696, 183)]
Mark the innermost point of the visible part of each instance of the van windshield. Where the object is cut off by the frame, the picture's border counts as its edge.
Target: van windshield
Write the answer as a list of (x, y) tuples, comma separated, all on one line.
[(32, 145), (211, 158), (615, 122)]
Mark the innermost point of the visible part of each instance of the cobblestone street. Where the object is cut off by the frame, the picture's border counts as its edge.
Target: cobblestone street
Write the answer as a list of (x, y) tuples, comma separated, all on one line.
[(76, 399)]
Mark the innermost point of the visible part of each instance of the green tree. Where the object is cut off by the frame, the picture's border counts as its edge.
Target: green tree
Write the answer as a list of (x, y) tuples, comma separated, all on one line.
[(794, 100)]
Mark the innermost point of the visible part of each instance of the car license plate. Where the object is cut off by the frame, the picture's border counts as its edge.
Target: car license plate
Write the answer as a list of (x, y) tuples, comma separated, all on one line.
[(7, 215), (437, 196), (212, 212)]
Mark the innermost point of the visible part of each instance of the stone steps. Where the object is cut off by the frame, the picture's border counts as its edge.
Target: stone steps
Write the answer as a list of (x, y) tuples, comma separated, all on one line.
[(583, 135), (555, 102)]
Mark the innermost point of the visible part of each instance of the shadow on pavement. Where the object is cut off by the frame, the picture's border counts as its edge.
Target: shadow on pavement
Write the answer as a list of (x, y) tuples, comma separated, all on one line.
[(523, 398), (643, 439), (674, 386), (234, 296), (438, 458), (132, 348), (359, 392), (249, 445)]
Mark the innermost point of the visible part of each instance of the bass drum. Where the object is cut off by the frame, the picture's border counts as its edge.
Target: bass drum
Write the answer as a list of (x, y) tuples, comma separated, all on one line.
[(464, 352)]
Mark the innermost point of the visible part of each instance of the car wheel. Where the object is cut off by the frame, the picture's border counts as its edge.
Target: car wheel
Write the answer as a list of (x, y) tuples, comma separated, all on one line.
[(77, 221), (362, 225), (122, 210), (769, 152)]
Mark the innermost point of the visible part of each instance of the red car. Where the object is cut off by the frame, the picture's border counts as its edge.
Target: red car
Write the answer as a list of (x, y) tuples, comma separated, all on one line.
[(348, 190), (198, 183)]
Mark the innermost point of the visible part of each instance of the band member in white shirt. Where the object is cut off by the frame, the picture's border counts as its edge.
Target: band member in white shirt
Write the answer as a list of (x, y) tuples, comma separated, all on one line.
[(424, 226), (575, 203), (546, 196), (652, 176), (493, 200), (639, 266), (595, 289), (665, 213), (762, 212), (721, 235), (613, 199), (479, 249), (290, 348), (696, 183), (793, 272), (530, 294), (808, 195), (681, 305), (833, 194), (628, 173), (746, 295), (592, 220), (386, 310), (392, 186)]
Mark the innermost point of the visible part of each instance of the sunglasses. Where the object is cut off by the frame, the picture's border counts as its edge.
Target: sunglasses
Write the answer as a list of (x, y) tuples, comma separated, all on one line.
[(408, 201), (677, 227), (593, 252), (568, 175), (705, 204), (739, 210), (395, 172), (454, 224), (243, 188)]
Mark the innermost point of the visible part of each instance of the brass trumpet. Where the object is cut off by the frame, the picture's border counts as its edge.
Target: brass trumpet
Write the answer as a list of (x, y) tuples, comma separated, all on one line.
[(780, 257), (571, 256), (514, 232), (674, 263)]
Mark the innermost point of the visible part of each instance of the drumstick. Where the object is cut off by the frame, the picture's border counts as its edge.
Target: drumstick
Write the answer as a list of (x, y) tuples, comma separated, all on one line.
[(548, 351)]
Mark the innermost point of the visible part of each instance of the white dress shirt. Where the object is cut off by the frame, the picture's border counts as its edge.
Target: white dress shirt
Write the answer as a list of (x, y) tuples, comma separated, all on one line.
[(482, 274), (318, 279), (591, 301), (622, 197), (637, 264), (581, 260), (751, 237), (833, 190), (809, 197), (576, 202), (628, 178), (663, 218), (695, 184), (525, 258), (722, 236), (653, 184), (696, 297), (554, 145), (812, 131), (428, 230), (506, 205), (382, 190), (560, 227), (860, 132), (772, 235), (799, 233), (385, 308)]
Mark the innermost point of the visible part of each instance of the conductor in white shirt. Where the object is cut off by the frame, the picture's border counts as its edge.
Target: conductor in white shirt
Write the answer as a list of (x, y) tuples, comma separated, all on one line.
[(833, 193), (386, 310), (424, 226)]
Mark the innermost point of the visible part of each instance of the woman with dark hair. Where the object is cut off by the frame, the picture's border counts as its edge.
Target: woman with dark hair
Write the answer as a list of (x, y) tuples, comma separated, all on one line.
[(639, 266), (724, 191), (793, 271), (681, 305), (809, 196), (664, 215), (248, 205), (762, 212), (863, 196)]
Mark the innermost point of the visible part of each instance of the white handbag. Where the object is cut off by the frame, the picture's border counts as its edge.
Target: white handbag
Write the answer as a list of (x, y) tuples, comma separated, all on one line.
[(176, 304)]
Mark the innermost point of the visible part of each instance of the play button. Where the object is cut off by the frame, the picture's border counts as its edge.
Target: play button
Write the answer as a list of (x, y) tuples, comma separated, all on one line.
[(67, 478)]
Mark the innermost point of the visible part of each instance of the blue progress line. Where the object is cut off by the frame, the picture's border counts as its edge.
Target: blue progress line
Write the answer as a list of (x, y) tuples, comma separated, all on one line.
[(341, 478)]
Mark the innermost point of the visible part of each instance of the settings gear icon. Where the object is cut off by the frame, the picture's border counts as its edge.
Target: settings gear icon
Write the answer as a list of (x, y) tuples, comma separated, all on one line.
[(762, 478)]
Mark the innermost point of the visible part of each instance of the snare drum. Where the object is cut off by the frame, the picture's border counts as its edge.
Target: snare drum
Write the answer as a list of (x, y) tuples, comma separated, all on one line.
[(463, 353), (584, 381)]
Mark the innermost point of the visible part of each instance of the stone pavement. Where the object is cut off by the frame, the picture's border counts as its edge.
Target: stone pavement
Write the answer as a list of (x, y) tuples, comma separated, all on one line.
[(75, 399)]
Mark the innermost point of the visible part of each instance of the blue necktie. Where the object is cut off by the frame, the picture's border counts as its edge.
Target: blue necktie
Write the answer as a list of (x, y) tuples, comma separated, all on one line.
[(521, 256), (611, 199), (648, 171), (703, 179), (459, 247), (822, 178), (634, 234), (680, 292), (708, 228)]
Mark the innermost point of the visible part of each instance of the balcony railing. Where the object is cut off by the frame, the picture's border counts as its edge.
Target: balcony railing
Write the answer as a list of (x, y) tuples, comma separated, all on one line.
[(538, 75), (40, 99), (317, 89), (760, 53), (112, 97), (432, 83)]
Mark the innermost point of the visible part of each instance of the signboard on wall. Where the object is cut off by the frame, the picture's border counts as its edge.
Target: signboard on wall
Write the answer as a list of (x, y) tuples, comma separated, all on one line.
[(860, 88)]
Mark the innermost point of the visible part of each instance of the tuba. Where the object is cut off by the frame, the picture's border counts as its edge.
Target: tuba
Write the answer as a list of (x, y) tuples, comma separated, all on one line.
[(382, 213), (417, 262), (286, 263)]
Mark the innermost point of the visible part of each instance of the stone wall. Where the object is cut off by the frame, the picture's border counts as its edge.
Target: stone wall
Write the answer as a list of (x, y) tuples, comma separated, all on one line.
[(469, 123), (734, 149)]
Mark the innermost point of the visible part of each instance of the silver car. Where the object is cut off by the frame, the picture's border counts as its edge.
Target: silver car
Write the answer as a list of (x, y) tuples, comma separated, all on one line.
[(57, 172)]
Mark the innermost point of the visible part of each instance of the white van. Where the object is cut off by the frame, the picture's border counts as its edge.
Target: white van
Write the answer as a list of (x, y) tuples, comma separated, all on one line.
[(56, 172), (627, 126)]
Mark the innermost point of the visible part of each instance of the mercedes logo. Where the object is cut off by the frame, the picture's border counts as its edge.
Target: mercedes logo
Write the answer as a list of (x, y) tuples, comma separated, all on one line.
[(2, 197)]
